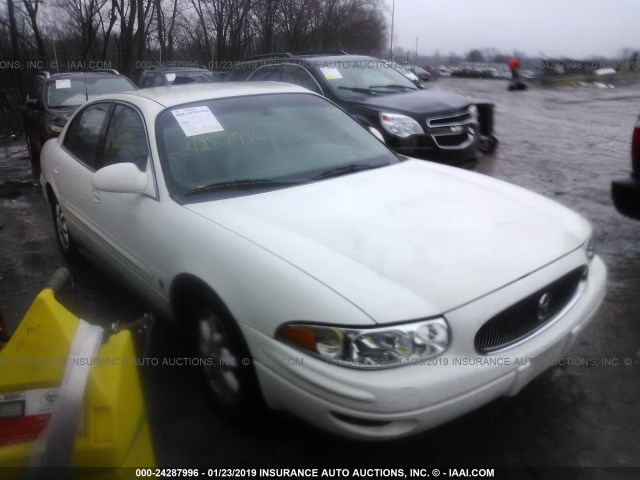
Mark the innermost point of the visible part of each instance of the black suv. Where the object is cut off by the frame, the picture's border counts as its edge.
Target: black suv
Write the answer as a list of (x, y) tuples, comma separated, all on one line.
[(160, 76), (53, 98), (432, 125)]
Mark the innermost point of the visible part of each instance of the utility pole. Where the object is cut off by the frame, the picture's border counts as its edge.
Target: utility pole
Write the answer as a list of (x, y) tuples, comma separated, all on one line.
[(393, 14), (416, 62)]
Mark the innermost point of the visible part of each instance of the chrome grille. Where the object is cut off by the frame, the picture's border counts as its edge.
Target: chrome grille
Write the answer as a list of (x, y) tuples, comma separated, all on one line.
[(529, 315), (452, 132), (456, 119)]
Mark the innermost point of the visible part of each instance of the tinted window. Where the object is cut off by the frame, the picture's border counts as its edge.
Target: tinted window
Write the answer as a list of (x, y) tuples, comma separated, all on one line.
[(299, 76), (146, 80), (268, 73), (84, 133), (190, 77), (125, 140), (156, 80)]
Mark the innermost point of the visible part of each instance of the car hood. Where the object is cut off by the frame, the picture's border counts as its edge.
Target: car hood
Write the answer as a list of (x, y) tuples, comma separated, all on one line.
[(421, 103), (407, 241)]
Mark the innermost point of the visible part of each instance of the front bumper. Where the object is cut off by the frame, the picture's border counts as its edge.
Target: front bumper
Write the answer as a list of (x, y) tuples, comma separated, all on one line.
[(626, 196), (390, 403), (425, 148)]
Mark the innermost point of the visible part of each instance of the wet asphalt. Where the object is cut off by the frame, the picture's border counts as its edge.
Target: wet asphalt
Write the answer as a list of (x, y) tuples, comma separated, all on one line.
[(566, 143)]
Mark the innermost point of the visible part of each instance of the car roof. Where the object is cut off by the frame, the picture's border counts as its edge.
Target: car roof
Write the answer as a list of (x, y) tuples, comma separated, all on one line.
[(179, 94), (309, 59), (91, 74), (176, 69), (329, 58)]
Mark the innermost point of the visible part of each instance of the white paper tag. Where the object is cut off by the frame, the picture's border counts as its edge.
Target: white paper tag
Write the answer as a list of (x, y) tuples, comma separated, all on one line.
[(197, 120), (170, 76), (331, 73), (64, 83)]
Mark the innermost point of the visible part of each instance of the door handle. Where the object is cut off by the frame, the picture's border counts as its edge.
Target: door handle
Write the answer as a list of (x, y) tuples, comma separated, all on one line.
[(96, 197)]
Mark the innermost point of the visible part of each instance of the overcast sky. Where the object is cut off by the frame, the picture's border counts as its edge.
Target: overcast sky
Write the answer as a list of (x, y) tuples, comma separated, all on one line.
[(572, 28)]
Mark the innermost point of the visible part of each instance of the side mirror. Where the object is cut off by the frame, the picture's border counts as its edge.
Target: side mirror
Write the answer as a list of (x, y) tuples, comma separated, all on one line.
[(33, 103), (123, 178)]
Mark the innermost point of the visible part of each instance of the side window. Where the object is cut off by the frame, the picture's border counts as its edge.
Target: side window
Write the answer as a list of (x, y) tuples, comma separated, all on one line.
[(125, 140), (84, 134), (299, 76), (266, 73)]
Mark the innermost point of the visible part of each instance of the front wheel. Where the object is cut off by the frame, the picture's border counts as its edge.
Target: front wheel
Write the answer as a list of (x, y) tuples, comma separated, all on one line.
[(226, 364)]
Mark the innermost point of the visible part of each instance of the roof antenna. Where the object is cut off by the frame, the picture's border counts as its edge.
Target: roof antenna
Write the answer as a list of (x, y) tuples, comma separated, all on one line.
[(86, 93)]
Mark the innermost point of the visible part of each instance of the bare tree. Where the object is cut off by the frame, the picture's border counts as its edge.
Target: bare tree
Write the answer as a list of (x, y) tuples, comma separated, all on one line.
[(32, 7)]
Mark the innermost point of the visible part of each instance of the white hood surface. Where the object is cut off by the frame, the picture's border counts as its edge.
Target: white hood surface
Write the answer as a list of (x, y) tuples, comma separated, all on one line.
[(407, 241)]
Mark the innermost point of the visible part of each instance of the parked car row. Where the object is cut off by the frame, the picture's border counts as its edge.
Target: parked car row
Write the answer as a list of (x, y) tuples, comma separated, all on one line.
[(420, 123), (386, 97)]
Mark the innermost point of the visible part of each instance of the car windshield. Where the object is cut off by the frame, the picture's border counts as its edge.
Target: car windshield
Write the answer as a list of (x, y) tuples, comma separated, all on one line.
[(242, 145), (71, 92), (352, 79)]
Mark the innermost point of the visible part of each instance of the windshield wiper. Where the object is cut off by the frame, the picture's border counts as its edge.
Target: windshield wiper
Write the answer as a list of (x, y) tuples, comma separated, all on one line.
[(367, 91), (246, 182), (404, 88), (344, 169)]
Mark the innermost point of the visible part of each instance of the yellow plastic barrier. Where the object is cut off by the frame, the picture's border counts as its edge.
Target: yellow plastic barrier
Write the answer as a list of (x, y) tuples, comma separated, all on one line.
[(114, 429)]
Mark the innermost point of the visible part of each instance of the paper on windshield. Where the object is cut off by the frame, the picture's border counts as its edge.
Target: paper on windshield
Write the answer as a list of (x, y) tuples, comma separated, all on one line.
[(170, 77), (197, 120), (65, 83), (331, 73)]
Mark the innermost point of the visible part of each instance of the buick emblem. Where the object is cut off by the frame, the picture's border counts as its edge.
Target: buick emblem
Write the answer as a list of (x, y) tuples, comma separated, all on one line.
[(457, 129), (544, 306)]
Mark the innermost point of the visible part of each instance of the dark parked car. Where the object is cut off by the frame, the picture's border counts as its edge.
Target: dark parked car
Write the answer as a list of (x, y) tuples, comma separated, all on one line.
[(626, 191), (432, 125), (52, 98), (156, 77)]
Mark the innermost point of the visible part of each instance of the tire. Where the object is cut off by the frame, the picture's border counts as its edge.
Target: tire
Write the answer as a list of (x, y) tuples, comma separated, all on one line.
[(228, 370), (488, 144), (67, 245)]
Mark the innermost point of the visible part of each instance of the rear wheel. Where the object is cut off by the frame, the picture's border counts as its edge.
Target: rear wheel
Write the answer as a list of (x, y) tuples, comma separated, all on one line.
[(67, 244), (226, 364)]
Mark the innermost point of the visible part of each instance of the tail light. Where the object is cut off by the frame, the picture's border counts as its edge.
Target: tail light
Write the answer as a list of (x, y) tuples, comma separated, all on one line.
[(635, 149)]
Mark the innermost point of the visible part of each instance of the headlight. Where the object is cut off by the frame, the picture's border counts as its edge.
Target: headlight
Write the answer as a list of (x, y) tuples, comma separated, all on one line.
[(385, 347), (473, 112), (590, 248), (400, 125)]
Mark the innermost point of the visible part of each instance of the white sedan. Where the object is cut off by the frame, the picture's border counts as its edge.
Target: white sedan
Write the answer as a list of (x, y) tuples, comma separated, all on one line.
[(373, 295)]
